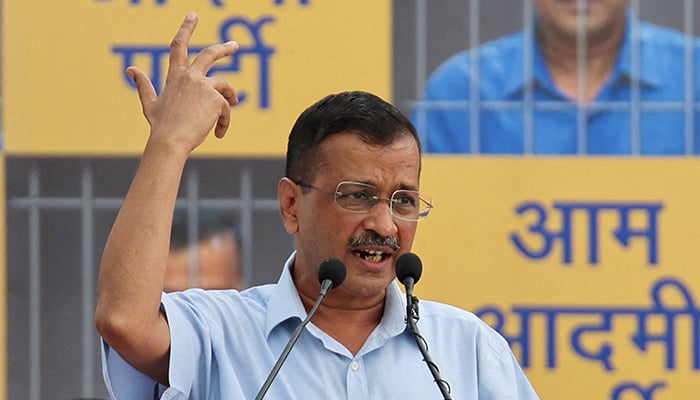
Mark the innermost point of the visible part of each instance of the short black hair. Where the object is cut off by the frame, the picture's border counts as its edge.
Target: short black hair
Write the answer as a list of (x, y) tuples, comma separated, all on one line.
[(375, 120), (210, 222)]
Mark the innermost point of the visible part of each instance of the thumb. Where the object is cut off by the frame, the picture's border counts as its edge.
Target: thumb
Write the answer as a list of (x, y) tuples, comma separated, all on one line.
[(144, 86)]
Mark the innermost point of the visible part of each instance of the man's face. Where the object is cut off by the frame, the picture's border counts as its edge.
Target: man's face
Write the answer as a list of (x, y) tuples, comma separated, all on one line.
[(219, 265), (560, 16), (325, 229)]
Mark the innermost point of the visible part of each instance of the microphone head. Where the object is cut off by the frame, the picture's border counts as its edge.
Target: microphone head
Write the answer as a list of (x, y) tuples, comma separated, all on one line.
[(408, 265), (332, 269)]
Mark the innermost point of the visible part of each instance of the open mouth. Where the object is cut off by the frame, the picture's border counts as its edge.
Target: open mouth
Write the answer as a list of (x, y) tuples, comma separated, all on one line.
[(374, 256)]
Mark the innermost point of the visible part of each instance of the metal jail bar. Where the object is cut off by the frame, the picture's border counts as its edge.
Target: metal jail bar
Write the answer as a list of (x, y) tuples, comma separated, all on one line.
[(87, 202), (473, 11)]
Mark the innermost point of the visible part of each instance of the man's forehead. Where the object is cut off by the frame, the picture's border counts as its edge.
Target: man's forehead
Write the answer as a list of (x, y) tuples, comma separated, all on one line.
[(369, 161)]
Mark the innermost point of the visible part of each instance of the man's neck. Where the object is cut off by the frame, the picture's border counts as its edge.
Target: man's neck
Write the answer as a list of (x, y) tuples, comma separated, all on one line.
[(597, 62), (350, 324)]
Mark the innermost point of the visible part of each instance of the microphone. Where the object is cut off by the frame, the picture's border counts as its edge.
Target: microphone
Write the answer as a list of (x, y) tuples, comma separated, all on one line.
[(408, 271), (331, 274)]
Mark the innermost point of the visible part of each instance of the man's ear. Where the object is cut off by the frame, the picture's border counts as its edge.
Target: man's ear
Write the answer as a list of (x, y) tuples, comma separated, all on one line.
[(288, 194)]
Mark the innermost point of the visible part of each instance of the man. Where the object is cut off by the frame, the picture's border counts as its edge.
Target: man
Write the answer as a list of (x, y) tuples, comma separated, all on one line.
[(351, 193), (590, 79), (211, 261)]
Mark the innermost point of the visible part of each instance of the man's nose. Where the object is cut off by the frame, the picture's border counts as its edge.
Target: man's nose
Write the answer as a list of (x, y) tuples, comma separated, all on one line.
[(381, 219)]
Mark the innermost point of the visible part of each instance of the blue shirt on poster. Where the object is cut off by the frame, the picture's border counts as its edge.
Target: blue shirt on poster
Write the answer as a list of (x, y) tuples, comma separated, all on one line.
[(646, 107), (224, 343)]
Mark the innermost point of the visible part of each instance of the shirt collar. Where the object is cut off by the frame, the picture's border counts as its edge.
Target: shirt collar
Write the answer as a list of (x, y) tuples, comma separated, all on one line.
[(634, 35), (393, 322), (285, 304), (641, 41)]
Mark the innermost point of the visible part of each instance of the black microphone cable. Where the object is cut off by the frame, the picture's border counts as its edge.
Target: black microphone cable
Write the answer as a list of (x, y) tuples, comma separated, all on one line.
[(408, 270), (331, 274)]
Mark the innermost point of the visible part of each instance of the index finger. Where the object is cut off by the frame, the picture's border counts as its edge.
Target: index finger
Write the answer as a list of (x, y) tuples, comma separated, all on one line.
[(178, 46), (207, 57)]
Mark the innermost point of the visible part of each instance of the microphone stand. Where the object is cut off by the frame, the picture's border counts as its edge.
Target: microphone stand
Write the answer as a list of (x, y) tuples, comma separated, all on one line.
[(411, 319), (325, 286)]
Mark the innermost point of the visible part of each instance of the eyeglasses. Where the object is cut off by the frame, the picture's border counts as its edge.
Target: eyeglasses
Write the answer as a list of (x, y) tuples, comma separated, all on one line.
[(407, 205)]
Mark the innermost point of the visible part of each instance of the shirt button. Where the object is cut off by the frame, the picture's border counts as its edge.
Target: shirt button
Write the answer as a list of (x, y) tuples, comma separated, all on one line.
[(354, 366)]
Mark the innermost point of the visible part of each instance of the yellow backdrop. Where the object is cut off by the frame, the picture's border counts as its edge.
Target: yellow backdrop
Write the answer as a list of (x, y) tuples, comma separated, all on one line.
[(588, 265), (66, 92)]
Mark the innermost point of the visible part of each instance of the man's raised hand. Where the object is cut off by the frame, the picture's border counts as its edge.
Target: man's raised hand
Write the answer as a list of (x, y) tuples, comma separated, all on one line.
[(191, 103)]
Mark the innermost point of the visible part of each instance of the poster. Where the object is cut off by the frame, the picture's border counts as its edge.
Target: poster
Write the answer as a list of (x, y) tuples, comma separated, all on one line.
[(589, 266), (67, 94)]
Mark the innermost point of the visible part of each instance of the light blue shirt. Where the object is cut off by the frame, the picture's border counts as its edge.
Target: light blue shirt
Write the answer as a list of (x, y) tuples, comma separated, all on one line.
[(509, 104), (224, 344)]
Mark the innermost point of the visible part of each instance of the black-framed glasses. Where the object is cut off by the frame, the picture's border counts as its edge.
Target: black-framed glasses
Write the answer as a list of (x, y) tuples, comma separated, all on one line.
[(358, 197)]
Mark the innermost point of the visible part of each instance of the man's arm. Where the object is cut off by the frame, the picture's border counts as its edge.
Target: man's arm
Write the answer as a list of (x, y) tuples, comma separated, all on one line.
[(132, 272)]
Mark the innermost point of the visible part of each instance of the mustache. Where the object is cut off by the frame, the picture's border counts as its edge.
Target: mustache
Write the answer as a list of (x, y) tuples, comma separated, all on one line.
[(374, 239)]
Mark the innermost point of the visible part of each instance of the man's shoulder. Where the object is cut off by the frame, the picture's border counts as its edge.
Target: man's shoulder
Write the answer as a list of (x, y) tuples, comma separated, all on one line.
[(506, 45), (503, 47), (497, 58), (663, 37), (430, 309), (222, 300), (450, 320)]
